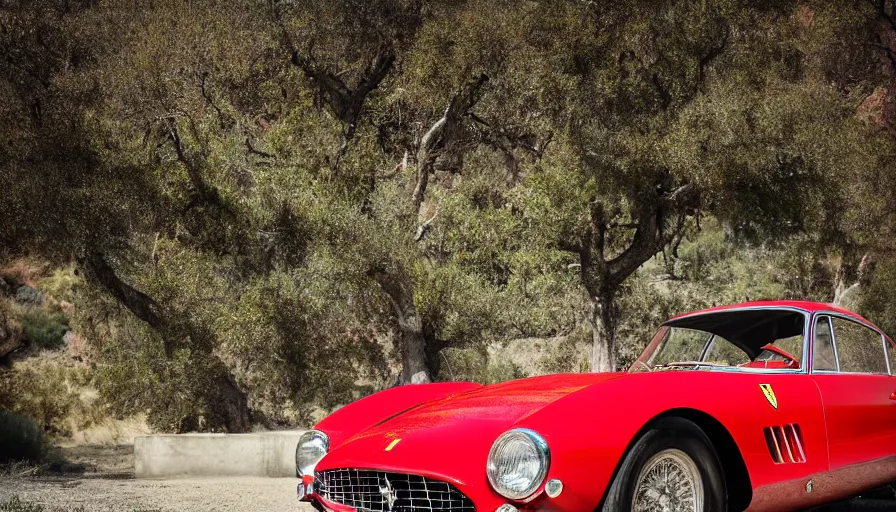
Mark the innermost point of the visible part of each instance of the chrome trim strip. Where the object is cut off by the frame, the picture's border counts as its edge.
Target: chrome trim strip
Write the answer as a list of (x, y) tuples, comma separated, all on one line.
[(824, 316), (706, 346), (883, 342)]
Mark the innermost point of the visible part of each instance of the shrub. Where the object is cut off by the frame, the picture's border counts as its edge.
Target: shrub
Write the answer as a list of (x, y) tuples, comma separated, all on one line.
[(17, 505), (21, 439), (43, 328), (475, 364), (57, 396)]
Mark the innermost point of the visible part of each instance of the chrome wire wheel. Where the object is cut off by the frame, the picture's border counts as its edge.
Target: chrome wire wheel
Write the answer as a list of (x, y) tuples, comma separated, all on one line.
[(669, 482)]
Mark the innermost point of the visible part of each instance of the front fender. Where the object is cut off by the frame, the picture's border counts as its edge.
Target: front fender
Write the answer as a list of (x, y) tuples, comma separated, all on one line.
[(589, 431), (378, 407)]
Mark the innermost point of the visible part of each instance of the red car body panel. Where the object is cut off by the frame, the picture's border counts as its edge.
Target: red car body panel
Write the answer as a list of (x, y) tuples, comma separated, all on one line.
[(445, 431), (366, 412)]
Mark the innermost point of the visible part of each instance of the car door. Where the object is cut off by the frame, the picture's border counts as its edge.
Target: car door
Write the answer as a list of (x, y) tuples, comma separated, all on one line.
[(850, 367)]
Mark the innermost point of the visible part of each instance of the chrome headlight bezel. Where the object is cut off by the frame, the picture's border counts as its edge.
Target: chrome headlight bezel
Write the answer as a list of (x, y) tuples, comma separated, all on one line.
[(534, 441), (312, 447)]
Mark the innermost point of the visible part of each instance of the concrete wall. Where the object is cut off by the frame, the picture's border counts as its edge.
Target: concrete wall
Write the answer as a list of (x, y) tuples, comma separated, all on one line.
[(269, 454)]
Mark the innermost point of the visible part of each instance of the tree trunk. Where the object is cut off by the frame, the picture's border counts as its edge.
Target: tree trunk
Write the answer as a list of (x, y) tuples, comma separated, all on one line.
[(850, 278), (413, 340), (234, 403), (224, 390), (413, 350), (603, 326)]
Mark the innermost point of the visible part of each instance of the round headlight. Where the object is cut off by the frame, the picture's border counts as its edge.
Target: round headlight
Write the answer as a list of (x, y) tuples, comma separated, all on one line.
[(312, 447), (518, 463)]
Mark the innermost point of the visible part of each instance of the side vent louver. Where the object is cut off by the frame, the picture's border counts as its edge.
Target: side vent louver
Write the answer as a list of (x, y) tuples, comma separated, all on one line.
[(785, 444)]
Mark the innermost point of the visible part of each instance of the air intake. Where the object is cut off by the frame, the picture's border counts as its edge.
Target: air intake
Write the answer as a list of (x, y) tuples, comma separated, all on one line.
[(785, 444)]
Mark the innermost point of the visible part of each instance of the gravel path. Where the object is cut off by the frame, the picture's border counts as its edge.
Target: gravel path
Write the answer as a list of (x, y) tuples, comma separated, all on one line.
[(108, 485), (131, 495), (204, 495)]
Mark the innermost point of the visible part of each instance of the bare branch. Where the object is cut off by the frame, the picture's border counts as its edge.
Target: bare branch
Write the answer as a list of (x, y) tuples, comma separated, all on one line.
[(442, 132), (710, 56), (346, 103), (99, 271), (649, 237), (421, 231), (502, 140), (193, 169), (252, 149), (223, 119)]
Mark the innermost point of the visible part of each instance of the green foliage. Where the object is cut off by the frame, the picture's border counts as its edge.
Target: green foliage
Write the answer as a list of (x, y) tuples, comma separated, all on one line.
[(43, 328), (56, 395), (238, 186), (878, 300), (477, 365), (570, 354), (21, 439), (60, 284)]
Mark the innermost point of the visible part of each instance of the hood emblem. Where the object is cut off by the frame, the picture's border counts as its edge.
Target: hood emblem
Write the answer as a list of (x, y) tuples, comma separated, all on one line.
[(392, 444), (388, 493)]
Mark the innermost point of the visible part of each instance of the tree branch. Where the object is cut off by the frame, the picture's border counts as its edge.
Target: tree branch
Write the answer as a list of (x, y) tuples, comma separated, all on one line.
[(345, 103), (204, 192), (710, 56), (506, 142), (649, 237), (99, 271), (441, 134), (223, 119), (423, 228)]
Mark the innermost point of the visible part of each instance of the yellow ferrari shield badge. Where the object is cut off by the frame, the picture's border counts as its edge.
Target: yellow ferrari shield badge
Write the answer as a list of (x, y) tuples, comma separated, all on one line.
[(392, 444), (769, 394)]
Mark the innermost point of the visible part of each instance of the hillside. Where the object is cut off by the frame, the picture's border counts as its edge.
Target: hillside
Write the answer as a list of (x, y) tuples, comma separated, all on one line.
[(229, 217)]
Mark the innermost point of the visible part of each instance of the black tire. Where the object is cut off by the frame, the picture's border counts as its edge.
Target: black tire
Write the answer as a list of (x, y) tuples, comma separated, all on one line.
[(665, 434)]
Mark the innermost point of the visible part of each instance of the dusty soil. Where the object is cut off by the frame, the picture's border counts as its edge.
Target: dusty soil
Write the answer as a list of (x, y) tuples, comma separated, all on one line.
[(107, 484), (204, 495), (194, 495)]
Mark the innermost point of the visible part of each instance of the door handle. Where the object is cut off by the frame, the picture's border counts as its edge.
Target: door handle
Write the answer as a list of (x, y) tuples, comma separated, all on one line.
[(892, 396)]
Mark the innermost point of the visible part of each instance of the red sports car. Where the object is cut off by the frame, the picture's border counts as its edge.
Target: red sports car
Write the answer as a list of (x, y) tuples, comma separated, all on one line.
[(759, 406)]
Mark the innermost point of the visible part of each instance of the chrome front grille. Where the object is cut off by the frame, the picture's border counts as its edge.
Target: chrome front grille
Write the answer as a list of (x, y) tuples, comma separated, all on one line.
[(378, 491)]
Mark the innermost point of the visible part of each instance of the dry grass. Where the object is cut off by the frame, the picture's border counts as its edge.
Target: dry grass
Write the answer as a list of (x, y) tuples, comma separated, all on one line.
[(108, 432), (23, 271)]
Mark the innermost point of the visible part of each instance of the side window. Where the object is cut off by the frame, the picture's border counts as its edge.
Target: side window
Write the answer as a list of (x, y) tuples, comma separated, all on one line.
[(859, 349), (823, 357)]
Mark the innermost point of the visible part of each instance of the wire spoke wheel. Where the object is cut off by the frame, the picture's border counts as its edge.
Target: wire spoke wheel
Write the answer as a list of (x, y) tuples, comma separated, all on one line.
[(669, 482)]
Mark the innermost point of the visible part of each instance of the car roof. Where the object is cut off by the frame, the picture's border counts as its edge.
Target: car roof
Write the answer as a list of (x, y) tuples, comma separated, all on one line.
[(807, 306)]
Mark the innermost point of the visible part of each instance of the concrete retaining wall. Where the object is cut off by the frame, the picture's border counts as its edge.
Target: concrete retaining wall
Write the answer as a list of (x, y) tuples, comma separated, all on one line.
[(269, 454)]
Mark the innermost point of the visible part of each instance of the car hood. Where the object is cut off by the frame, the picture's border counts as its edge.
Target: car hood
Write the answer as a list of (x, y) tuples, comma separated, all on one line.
[(442, 437)]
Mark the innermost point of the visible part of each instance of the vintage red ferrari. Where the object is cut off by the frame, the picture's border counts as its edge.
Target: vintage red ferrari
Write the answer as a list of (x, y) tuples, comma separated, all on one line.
[(759, 406)]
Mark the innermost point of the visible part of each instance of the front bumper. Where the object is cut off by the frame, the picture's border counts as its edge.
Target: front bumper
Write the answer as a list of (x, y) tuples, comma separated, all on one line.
[(382, 491), (441, 495)]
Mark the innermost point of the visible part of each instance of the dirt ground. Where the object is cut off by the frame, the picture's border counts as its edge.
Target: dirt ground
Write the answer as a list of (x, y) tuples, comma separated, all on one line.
[(107, 484), (129, 495)]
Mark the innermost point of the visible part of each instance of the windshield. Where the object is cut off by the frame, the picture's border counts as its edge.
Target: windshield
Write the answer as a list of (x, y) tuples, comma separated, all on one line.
[(771, 343)]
